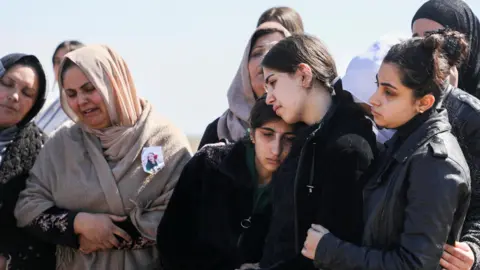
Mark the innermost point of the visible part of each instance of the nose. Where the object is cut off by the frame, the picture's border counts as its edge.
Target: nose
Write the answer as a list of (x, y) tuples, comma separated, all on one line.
[(13, 96), (277, 146), (82, 99), (270, 98), (374, 99)]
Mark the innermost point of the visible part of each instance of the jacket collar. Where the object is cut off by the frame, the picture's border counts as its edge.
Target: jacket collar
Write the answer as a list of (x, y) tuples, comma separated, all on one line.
[(436, 124)]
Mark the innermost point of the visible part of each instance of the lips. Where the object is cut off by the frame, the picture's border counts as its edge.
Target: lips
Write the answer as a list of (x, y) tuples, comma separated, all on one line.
[(12, 108), (89, 111), (374, 113), (275, 108), (273, 161)]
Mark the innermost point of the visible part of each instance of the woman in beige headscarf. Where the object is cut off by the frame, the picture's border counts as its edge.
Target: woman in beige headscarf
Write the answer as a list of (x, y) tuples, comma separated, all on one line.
[(247, 86), (89, 191)]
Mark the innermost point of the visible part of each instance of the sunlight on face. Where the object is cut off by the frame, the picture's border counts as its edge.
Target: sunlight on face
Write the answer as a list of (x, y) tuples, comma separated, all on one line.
[(85, 100), (18, 92), (285, 93), (393, 104), (258, 52)]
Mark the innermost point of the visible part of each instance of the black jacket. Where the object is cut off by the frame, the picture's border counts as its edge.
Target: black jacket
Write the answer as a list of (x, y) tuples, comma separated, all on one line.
[(25, 250), (210, 135), (201, 227), (464, 115), (319, 183), (415, 204)]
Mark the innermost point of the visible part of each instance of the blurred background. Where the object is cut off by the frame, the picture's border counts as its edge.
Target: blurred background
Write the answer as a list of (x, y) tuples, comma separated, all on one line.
[(184, 54)]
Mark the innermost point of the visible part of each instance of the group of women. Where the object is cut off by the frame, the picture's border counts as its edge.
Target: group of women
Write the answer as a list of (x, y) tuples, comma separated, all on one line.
[(304, 170)]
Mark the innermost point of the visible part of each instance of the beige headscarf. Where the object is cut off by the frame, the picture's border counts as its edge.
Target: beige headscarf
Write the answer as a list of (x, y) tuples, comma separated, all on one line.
[(72, 172), (109, 73), (233, 123)]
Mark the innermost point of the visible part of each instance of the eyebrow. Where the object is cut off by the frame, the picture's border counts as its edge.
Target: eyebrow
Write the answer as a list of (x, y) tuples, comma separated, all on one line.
[(268, 77), (272, 130), (386, 84), (415, 35), (85, 85)]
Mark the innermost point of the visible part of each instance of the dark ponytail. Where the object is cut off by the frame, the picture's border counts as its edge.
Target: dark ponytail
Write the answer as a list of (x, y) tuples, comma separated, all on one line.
[(425, 63)]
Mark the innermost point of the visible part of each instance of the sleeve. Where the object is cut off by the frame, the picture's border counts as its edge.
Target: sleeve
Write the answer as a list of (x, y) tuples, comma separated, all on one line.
[(351, 155), (435, 189), (471, 227), (138, 241), (55, 226), (177, 239)]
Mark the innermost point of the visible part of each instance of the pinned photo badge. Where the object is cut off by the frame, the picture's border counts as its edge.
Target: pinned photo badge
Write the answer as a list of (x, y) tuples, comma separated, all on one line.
[(152, 159)]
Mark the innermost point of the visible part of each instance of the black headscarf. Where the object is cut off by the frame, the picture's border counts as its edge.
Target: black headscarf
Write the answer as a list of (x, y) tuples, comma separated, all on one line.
[(13, 59), (457, 15)]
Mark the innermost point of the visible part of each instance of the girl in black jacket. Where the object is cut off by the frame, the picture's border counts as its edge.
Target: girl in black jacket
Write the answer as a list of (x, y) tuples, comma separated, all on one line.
[(319, 180), (418, 194), (220, 210), (22, 95)]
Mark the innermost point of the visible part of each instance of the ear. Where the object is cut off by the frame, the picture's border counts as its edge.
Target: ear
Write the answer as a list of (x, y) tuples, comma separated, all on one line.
[(304, 72), (251, 135), (425, 103)]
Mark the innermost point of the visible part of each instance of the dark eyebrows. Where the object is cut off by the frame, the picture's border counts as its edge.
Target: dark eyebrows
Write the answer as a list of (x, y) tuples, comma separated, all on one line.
[(267, 129), (385, 84), (85, 85), (272, 130), (415, 35), (268, 77)]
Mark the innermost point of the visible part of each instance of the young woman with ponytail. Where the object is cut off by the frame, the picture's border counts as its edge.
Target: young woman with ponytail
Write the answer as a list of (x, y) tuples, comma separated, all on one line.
[(418, 191)]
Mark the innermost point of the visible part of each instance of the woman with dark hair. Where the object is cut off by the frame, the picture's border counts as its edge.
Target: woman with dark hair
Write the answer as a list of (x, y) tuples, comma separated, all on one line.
[(22, 95), (246, 87), (418, 191), (220, 211), (286, 16), (53, 116), (319, 181)]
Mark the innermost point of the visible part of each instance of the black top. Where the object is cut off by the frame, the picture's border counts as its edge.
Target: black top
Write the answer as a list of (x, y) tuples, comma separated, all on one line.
[(415, 204), (213, 220)]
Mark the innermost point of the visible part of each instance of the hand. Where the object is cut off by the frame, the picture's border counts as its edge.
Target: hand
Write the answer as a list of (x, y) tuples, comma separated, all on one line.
[(3, 263), (99, 229), (458, 257), (87, 246), (314, 235)]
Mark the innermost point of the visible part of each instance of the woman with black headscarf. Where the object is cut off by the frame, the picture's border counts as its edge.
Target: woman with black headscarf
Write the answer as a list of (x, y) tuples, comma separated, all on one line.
[(22, 95), (458, 16)]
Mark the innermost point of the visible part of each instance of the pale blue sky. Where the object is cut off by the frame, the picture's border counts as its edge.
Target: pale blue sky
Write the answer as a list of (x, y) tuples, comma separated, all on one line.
[(184, 54)]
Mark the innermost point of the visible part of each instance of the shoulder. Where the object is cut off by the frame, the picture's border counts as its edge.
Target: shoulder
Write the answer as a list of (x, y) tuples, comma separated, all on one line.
[(213, 154), (439, 159), (31, 134), (458, 95), (352, 132), (463, 108), (213, 125), (167, 134)]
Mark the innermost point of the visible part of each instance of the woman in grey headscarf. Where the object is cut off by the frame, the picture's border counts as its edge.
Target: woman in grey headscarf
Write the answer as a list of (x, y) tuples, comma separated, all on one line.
[(247, 86), (22, 95)]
